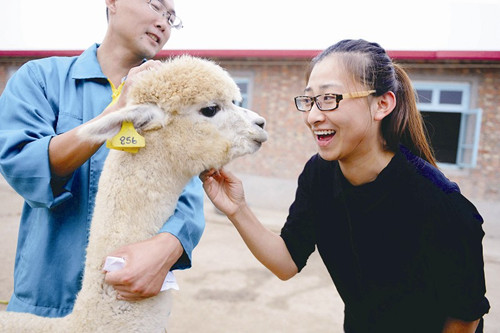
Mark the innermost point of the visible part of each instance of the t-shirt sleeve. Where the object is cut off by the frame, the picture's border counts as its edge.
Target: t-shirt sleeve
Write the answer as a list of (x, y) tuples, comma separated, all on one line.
[(458, 260), (298, 232)]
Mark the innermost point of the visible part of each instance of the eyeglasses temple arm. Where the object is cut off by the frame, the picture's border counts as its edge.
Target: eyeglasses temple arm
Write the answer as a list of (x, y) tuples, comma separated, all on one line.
[(358, 94)]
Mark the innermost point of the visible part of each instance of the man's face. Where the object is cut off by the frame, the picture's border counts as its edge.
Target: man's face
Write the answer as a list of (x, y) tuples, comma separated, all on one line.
[(141, 28)]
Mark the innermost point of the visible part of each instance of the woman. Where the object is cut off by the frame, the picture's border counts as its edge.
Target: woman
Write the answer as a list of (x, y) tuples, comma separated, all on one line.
[(400, 242)]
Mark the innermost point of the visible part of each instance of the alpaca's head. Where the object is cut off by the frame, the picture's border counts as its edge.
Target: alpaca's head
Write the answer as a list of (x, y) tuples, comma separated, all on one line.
[(190, 102)]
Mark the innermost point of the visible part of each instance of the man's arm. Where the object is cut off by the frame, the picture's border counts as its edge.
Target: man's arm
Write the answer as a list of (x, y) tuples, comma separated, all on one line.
[(147, 263), (27, 127), (67, 151)]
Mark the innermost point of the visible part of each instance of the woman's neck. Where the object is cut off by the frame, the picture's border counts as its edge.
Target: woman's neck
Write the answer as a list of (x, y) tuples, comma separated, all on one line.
[(365, 168)]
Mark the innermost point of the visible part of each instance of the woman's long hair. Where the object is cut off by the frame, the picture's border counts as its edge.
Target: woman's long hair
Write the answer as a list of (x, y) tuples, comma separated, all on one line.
[(371, 66)]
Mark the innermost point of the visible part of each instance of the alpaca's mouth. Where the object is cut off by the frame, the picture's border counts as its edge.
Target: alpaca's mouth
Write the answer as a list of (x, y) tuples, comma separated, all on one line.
[(258, 142), (261, 137)]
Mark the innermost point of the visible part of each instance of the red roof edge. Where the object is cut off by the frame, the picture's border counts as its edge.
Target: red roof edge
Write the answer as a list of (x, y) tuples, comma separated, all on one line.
[(298, 54), (38, 53), (446, 55), (303, 54)]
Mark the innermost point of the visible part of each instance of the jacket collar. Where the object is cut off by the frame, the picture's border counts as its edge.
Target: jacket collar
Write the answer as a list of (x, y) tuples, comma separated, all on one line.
[(87, 66)]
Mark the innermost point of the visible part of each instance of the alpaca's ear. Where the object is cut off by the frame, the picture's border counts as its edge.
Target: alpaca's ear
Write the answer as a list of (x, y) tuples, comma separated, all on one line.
[(144, 117)]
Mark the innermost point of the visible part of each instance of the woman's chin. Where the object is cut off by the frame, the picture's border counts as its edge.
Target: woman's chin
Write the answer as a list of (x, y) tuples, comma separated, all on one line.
[(328, 155)]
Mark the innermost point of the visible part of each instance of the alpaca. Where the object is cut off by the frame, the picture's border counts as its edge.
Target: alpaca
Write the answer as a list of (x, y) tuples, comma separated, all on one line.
[(185, 112)]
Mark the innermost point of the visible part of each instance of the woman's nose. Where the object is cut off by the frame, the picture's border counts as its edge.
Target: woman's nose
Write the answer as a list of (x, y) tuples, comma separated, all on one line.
[(315, 115)]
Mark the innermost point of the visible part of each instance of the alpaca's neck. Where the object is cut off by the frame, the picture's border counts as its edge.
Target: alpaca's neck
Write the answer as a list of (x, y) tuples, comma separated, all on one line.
[(136, 196), (133, 202)]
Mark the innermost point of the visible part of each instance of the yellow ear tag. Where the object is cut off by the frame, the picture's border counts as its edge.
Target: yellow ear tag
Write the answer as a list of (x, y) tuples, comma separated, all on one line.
[(127, 139)]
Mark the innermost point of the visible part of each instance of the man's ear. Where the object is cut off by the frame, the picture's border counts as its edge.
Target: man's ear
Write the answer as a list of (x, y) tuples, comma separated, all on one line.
[(384, 105), (144, 117), (110, 6)]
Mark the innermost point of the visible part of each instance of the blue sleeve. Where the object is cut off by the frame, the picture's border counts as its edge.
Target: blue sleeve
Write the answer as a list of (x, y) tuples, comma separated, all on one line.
[(27, 124), (188, 221)]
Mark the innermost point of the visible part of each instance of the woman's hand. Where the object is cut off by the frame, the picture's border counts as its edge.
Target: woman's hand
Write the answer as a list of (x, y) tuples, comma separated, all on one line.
[(224, 189)]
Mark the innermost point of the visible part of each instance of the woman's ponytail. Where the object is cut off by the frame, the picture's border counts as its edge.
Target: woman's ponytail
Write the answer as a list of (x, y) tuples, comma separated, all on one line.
[(405, 124)]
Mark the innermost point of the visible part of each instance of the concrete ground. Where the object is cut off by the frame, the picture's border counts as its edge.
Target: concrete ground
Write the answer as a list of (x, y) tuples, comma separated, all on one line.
[(227, 290)]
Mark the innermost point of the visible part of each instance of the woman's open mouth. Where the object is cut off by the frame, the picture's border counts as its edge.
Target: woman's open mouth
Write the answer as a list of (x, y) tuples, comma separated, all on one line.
[(324, 135)]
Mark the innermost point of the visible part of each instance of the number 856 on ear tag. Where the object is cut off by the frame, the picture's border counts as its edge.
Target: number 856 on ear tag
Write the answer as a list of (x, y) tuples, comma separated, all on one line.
[(127, 139)]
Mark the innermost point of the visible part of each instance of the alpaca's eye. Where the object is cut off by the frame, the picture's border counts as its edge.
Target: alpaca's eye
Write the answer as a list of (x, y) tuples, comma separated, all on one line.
[(210, 111)]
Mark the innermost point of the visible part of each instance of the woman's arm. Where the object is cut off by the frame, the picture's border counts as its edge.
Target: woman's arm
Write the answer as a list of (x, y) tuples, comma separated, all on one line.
[(226, 193), (453, 325)]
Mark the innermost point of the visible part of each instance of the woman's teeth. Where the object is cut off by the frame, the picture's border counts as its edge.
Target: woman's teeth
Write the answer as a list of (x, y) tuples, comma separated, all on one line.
[(324, 134)]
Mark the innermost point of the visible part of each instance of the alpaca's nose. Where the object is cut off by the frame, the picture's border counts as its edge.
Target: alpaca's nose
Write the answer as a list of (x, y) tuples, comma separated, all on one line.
[(261, 122)]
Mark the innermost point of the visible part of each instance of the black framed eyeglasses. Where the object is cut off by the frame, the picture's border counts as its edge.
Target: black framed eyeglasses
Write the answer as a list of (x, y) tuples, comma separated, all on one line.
[(327, 102), (173, 20)]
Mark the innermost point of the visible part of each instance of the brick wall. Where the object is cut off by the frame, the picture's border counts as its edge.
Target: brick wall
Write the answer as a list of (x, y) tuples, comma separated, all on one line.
[(7, 66), (290, 144)]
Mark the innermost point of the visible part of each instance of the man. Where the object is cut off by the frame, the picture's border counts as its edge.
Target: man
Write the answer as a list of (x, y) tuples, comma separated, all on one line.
[(57, 174)]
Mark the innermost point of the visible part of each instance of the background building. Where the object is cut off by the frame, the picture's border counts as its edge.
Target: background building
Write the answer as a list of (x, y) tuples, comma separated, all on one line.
[(459, 97)]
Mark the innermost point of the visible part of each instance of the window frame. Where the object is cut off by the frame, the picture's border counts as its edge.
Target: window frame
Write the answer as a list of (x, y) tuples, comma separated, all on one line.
[(464, 145), (245, 95)]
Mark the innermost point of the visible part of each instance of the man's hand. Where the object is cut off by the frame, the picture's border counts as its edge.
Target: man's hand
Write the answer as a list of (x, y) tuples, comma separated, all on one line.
[(146, 266), (131, 77)]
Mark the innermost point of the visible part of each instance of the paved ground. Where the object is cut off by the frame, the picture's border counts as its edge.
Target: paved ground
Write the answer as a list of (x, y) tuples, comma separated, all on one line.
[(227, 290)]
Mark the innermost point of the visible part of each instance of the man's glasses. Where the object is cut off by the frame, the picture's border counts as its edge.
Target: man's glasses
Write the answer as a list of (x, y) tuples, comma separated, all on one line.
[(173, 20), (326, 102)]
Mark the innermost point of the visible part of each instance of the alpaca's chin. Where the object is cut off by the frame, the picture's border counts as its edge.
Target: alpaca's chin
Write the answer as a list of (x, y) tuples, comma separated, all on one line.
[(250, 148)]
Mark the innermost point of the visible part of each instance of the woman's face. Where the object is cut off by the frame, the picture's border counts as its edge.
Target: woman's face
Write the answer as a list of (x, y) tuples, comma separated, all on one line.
[(348, 131)]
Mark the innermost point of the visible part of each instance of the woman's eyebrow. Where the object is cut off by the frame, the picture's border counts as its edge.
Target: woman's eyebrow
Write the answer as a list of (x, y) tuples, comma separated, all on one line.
[(324, 87)]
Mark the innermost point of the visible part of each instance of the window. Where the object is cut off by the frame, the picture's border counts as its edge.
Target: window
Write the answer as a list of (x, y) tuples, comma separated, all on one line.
[(452, 126), (244, 85), (11, 70)]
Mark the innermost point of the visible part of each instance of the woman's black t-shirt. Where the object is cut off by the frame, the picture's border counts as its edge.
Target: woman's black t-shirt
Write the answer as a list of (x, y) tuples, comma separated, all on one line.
[(404, 251)]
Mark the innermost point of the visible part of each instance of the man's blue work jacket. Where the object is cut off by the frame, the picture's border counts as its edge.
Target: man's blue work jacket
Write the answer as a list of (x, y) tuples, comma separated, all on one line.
[(45, 98)]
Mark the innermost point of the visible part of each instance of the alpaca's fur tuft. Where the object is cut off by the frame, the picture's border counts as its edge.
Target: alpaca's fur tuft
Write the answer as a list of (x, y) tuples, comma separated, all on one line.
[(169, 108)]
